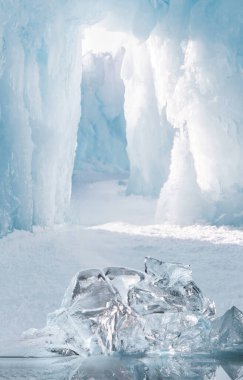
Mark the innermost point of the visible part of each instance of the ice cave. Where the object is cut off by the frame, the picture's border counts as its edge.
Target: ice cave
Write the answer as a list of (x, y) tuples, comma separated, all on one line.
[(162, 100), (121, 137)]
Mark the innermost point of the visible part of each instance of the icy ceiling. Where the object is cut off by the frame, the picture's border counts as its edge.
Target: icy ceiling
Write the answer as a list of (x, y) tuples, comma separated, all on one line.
[(181, 101)]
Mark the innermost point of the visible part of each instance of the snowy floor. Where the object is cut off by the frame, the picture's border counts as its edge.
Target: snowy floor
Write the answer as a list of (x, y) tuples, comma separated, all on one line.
[(109, 228)]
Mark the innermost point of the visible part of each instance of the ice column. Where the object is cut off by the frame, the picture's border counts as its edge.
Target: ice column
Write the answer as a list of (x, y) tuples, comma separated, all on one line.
[(40, 75), (149, 136), (207, 98), (180, 198)]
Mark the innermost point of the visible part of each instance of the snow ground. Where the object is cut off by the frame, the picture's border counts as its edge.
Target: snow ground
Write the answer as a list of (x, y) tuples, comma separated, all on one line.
[(108, 228)]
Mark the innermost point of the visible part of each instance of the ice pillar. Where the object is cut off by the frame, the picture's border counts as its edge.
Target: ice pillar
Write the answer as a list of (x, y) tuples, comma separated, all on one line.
[(40, 75)]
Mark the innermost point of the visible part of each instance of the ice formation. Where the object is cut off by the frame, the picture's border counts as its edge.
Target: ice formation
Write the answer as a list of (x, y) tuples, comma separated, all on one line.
[(39, 112), (149, 134), (102, 129), (182, 71), (203, 91), (126, 311), (40, 77), (227, 332)]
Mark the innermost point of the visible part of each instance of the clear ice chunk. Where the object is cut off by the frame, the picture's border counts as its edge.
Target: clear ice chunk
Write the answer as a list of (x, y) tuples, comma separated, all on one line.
[(127, 311), (177, 288), (227, 331), (234, 370), (122, 279), (167, 274), (88, 290), (147, 299)]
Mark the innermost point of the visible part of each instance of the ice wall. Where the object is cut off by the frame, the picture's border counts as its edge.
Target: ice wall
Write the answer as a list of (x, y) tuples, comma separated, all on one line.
[(205, 97), (149, 134), (40, 76), (188, 75), (102, 129)]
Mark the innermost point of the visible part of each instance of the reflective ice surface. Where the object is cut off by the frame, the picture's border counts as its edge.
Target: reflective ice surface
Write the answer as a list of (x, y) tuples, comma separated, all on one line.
[(123, 368), (120, 310)]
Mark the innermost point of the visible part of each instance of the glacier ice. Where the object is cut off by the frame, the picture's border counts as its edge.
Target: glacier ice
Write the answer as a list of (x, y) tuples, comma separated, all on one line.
[(125, 311)]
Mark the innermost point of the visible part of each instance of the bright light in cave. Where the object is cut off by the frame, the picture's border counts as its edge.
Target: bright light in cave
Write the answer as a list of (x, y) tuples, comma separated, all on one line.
[(97, 39)]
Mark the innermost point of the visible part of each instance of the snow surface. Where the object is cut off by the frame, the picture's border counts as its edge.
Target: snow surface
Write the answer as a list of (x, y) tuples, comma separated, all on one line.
[(109, 229)]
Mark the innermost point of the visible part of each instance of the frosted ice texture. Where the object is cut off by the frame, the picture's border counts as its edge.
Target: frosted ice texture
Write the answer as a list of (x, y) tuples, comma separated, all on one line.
[(188, 75), (127, 311), (200, 62), (40, 75), (149, 134), (186, 205)]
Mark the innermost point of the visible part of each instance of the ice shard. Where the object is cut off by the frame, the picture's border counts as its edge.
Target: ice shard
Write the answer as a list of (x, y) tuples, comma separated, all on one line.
[(227, 331), (172, 285), (234, 370)]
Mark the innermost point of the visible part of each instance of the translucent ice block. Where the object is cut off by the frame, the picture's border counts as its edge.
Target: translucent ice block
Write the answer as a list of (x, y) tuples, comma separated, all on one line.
[(127, 311)]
